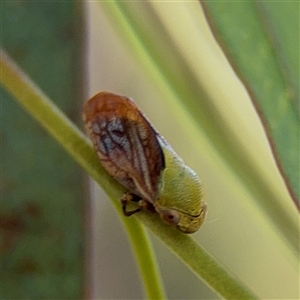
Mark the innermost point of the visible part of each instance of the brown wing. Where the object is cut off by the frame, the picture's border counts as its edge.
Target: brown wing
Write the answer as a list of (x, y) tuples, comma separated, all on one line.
[(126, 143)]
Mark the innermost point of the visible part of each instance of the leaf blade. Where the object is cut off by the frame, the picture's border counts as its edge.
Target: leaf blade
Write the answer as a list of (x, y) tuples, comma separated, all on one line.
[(273, 92)]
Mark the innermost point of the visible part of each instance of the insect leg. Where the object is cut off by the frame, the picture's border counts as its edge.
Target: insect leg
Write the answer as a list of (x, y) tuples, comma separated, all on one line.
[(125, 200), (128, 198)]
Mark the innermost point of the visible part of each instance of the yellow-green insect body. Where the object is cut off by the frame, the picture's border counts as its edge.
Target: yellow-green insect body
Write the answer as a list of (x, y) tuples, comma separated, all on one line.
[(181, 192)]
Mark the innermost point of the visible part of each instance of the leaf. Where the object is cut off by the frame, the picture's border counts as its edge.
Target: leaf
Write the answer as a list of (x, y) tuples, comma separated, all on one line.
[(42, 196), (261, 40)]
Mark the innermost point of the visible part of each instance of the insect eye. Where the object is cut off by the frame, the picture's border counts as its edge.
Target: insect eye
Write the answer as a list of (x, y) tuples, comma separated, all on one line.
[(170, 216)]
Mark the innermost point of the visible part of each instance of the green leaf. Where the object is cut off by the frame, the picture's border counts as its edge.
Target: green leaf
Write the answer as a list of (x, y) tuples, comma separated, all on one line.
[(42, 229), (261, 41)]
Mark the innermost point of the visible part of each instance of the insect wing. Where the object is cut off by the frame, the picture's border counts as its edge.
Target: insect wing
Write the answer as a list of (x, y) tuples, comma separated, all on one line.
[(126, 143)]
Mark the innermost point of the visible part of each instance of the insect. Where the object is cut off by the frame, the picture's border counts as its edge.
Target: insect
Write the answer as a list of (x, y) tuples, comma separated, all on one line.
[(135, 154)]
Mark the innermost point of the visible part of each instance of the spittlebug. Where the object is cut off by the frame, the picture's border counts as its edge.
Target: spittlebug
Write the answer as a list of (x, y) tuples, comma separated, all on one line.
[(135, 154)]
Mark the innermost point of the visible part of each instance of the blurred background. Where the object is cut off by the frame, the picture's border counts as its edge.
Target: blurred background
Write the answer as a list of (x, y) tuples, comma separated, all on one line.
[(60, 236)]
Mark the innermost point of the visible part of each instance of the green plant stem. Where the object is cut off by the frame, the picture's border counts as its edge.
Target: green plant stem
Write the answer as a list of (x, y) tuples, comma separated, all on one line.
[(194, 256), (141, 244), (76, 144)]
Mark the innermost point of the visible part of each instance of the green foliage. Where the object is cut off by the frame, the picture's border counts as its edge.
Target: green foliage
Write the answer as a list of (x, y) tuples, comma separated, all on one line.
[(42, 214), (258, 42), (262, 47)]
